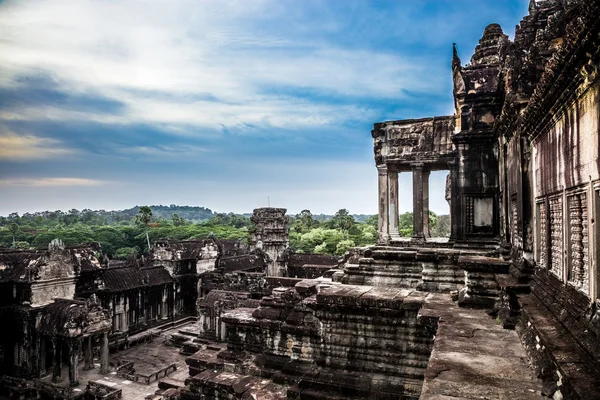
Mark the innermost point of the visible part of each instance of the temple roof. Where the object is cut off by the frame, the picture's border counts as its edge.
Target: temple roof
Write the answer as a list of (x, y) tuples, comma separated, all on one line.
[(13, 264), (130, 277), (74, 318), (39, 265)]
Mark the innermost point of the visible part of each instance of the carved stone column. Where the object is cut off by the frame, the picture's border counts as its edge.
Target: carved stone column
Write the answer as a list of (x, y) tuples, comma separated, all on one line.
[(426, 231), (41, 355), (393, 215), (104, 353), (56, 360), (455, 214), (87, 353), (383, 224), (73, 360), (417, 171)]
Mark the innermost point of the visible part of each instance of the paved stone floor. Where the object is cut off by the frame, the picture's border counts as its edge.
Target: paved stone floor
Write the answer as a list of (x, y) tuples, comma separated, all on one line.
[(474, 357), (147, 358)]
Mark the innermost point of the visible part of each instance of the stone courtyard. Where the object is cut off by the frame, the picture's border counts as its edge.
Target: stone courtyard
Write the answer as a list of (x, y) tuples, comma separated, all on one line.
[(148, 358)]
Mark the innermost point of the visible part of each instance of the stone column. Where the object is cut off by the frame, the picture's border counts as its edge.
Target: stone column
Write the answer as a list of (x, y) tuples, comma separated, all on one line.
[(383, 226), (87, 354), (455, 214), (417, 171), (42, 355), (73, 361), (393, 204), (426, 232), (56, 360), (104, 353)]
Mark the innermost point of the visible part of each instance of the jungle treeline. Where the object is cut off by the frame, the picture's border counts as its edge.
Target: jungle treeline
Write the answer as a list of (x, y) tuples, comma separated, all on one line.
[(121, 233)]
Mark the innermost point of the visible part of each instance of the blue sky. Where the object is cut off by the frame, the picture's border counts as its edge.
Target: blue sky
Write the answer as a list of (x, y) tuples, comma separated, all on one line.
[(222, 104)]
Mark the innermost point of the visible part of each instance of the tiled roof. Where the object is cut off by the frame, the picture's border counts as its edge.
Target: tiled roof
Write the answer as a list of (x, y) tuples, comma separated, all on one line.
[(13, 264), (157, 276), (126, 278)]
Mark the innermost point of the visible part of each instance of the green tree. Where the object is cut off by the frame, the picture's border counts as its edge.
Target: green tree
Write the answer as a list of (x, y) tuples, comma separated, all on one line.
[(144, 217), (343, 220), (343, 246), (373, 221), (14, 230), (177, 220), (306, 220)]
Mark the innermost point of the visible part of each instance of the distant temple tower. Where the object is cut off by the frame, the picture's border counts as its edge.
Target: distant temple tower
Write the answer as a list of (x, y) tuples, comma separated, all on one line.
[(270, 234)]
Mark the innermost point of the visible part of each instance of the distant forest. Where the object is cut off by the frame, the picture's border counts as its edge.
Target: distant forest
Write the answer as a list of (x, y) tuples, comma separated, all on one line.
[(126, 232)]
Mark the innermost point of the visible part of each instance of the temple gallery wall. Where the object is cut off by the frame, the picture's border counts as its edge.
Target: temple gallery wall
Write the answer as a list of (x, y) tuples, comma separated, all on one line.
[(506, 308)]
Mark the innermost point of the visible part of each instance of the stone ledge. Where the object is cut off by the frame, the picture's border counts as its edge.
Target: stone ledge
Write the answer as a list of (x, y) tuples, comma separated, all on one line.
[(564, 365)]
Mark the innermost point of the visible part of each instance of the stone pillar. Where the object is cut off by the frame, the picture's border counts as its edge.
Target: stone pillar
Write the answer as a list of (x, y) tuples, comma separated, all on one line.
[(393, 215), (417, 171), (426, 231), (383, 226), (87, 354), (104, 353), (56, 360), (73, 361), (125, 321), (42, 355), (455, 204)]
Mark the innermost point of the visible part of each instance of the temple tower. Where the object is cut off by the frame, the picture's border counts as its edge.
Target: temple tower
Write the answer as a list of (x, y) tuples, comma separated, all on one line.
[(270, 234), (475, 176)]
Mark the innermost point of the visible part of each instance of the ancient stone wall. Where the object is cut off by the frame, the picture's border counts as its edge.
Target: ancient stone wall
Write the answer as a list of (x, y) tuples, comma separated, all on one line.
[(297, 330)]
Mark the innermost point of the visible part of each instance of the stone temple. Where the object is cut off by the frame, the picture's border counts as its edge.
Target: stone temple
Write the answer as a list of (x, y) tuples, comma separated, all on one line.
[(506, 308)]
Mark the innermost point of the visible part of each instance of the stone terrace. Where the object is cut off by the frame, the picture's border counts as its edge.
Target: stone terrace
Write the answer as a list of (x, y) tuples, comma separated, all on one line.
[(473, 357)]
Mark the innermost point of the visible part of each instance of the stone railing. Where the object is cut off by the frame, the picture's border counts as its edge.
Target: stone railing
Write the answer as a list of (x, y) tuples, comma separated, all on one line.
[(57, 392), (16, 386), (162, 373), (147, 379), (98, 391), (125, 369)]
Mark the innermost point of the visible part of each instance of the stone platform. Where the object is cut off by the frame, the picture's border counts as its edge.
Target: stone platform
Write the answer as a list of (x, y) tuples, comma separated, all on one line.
[(433, 269), (473, 357)]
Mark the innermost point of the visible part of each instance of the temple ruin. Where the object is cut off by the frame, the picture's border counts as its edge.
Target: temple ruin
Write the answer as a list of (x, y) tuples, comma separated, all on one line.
[(506, 308)]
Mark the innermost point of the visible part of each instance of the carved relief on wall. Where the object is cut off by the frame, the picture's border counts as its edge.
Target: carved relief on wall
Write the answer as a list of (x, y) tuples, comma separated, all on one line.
[(516, 238), (543, 229), (556, 236), (578, 268)]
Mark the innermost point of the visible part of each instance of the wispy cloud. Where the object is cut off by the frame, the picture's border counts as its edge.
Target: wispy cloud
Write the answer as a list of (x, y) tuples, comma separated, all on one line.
[(163, 152), (181, 48), (50, 182), (22, 148)]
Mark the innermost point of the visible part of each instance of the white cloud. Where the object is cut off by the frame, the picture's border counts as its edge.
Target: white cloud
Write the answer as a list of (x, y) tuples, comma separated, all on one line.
[(21, 148), (132, 51), (50, 182), (163, 152)]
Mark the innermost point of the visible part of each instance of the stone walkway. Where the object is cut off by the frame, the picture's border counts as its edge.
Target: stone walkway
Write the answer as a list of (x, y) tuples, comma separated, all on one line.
[(474, 357)]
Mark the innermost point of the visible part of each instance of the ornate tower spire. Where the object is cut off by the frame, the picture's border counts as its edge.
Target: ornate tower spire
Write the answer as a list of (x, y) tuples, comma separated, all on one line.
[(456, 62)]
